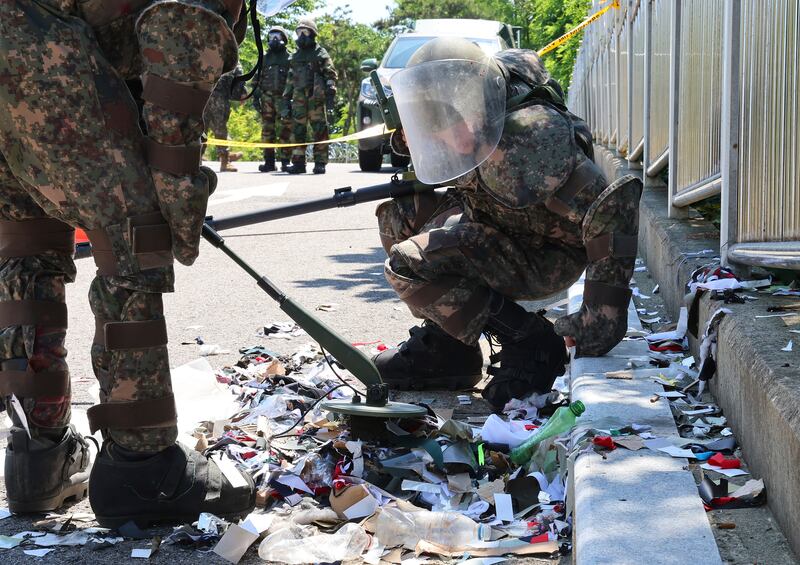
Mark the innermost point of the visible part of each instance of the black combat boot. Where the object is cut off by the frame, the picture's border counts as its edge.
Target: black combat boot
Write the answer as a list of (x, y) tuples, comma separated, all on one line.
[(532, 355), (430, 360), (284, 165), (41, 473), (297, 167), (172, 486), (319, 168), (269, 161)]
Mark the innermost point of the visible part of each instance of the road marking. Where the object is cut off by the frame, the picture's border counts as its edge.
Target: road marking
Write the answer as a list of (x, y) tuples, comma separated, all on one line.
[(238, 194)]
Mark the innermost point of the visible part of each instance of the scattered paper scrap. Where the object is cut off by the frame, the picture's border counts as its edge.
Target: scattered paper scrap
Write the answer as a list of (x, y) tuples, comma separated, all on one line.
[(788, 346), (141, 553), (37, 552)]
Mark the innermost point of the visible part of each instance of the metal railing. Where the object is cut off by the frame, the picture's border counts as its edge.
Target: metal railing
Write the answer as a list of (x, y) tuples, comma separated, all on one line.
[(708, 88)]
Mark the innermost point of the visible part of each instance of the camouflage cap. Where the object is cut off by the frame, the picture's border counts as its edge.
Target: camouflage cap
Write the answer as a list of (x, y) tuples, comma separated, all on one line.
[(307, 23)]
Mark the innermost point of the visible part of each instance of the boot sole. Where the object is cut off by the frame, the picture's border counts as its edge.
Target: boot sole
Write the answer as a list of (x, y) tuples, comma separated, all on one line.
[(77, 492), (462, 382), (145, 521)]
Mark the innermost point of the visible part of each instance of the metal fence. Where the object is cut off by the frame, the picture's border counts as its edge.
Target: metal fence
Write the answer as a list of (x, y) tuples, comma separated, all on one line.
[(708, 88)]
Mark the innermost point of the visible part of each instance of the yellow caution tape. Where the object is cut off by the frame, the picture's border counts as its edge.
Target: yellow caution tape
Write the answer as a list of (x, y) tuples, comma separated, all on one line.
[(374, 131), (571, 33)]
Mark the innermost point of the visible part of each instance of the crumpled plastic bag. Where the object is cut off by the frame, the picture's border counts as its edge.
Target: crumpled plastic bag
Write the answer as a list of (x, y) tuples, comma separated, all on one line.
[(294, 545)]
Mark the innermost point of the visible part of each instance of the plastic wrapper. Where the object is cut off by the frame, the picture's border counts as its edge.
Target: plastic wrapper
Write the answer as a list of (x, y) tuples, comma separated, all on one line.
[(298, 544)]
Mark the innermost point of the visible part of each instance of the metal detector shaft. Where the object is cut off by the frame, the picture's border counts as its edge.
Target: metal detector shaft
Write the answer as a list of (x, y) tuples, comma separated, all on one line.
[(341, 198), (352, 359)]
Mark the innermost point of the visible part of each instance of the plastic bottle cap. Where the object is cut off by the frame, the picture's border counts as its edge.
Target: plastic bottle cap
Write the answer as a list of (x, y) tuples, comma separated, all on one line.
[(577, 408)]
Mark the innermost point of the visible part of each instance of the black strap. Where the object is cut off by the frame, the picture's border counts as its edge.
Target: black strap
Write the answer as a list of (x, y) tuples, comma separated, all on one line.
[(150, 413), (115, 336), (178, 160), (36, 236), (614, 245), (174, 96), (33, 313), (27, 384), (597, 294), (582, 176)]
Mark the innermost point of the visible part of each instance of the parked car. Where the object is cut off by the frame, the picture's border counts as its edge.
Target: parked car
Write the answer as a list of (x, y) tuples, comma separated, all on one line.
[(491, 36)]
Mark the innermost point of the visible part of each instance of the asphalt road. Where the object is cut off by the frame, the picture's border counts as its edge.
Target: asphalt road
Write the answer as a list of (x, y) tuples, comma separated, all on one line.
[(330, 257)]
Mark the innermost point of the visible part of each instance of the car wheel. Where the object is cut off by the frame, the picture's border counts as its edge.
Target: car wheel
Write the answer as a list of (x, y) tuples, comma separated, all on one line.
[(400, 161), (370, 160)]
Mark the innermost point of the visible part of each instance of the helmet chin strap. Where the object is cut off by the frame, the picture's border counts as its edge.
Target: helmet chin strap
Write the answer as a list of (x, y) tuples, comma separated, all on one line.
[(256, 70)]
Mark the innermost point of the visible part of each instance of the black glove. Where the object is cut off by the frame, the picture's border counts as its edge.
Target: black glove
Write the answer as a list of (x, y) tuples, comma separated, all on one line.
[(330, 100)]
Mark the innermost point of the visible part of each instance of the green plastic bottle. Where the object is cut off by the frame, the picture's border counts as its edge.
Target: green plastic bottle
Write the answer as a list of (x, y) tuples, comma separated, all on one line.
[(562, 420)]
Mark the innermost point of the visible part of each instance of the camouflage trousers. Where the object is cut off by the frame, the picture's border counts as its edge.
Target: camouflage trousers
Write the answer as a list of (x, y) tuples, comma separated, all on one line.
[(442, 264), (274, 129), (309, 111), (70, 151)]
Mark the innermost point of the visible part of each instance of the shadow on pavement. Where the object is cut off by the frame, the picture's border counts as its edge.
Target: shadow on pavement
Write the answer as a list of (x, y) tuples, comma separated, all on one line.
[(368, 275)]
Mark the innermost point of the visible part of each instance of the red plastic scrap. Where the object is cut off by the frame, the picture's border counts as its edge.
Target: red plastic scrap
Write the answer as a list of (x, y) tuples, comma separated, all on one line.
[(718, 460), (541, 538), (604, 441)]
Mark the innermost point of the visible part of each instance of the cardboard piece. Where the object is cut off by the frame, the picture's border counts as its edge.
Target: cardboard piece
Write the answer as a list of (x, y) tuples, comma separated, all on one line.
[(634, 443), (353, 501), (233, 545)]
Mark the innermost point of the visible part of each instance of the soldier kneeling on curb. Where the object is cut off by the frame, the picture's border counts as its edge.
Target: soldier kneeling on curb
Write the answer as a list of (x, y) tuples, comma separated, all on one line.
[(528, 211)]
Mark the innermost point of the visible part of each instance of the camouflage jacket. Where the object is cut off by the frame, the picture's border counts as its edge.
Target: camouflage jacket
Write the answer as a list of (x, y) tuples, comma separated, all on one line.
[(274, 72), (310, 71), (219, 104), (539, 160)]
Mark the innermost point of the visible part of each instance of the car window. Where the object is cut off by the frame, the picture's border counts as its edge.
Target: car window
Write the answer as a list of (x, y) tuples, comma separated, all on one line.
[(398, 55)]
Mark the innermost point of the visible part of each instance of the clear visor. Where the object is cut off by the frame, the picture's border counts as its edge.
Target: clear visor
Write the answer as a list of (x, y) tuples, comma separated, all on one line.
[(452, 112), (271, 7), (303, 31), (275, 35)]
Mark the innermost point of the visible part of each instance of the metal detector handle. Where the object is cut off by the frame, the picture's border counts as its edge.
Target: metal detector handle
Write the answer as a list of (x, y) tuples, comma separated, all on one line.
[(353, 359)]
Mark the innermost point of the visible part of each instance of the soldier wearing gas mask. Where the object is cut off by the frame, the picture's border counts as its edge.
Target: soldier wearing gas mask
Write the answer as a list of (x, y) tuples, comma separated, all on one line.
[(311, 87), (268, 99), (527, 213)]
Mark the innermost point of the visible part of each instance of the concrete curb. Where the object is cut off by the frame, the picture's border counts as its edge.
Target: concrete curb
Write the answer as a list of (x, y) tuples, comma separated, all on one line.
[(756, 385), (633, 506)]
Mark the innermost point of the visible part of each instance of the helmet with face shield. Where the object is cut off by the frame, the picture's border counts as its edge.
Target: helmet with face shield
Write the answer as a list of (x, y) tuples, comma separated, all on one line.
[(451, 99)]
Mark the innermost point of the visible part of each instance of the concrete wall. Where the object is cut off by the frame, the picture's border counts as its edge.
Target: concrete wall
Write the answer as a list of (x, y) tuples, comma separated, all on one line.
[(757, 385)]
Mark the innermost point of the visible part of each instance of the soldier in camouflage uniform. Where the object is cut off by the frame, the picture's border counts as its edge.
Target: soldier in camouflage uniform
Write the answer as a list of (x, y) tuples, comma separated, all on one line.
[(73, 154), (310, 87), (218, 112), (269, 101), (528, 212)]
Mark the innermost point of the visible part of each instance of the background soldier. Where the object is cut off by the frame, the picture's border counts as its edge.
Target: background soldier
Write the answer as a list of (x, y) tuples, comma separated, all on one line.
[(528, 213), (311, 85), (218, 112), (269, 102), (72, 154)]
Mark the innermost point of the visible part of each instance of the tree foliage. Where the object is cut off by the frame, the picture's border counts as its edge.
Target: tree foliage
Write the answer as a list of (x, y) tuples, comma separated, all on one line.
[(348, 43)]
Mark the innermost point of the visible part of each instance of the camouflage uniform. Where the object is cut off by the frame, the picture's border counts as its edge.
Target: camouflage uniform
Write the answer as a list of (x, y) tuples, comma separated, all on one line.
[(72, 154), (311, 78), (525, 223), (271, 104), (218, 110)]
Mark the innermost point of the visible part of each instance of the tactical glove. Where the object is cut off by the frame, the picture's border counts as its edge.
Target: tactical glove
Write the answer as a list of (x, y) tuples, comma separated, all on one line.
[(610, 229)]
